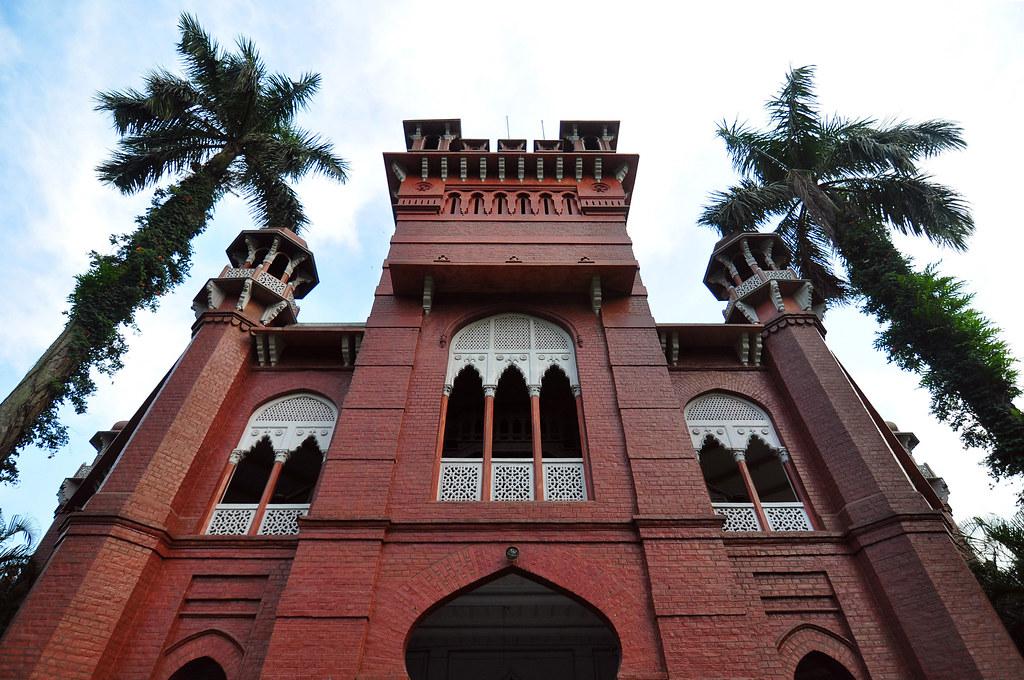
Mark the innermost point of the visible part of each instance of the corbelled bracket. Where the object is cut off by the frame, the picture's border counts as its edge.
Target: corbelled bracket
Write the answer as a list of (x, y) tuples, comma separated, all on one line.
[(428, 293), (595, 294)]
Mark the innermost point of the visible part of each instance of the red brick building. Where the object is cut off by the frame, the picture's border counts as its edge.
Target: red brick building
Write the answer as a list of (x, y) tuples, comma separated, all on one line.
[(509, 471)]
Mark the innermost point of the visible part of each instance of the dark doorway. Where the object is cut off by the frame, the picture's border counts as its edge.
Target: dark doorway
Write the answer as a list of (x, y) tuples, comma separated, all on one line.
[(203, 668), (818, 666), (513, 627)]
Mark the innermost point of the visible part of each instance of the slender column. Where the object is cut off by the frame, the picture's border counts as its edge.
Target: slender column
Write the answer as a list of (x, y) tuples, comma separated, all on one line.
[(798, 487), (442, 422), (280, 458), (584, 445), (538, 453), (222, 484), (740, 457), (485, 482)]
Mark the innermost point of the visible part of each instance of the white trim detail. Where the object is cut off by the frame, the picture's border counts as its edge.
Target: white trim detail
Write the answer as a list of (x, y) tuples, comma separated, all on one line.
[(290, 420), (730, 421), (529, 344)]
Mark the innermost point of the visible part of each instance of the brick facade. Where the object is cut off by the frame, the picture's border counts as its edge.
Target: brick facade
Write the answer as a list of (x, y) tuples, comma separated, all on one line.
[(133, 587)]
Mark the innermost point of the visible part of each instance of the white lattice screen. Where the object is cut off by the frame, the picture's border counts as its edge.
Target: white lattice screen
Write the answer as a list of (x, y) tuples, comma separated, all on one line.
[(298, 409), (721, 407)]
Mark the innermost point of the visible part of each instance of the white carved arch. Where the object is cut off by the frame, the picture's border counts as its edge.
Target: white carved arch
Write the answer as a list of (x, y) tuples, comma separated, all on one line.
[(529, 344), (290, 420), (729, 420)]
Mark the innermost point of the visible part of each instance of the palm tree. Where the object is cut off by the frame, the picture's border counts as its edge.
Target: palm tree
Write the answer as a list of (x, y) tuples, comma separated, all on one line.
[(17, 541), (996, 556), (837, 187), (227, 126)]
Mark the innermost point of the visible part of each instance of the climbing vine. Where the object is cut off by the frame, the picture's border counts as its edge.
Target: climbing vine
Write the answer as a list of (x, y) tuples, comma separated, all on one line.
[(931, 329)]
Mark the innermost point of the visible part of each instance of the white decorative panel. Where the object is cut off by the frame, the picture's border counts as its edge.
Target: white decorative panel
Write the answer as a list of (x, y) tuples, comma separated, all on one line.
[(460, 480), (231, 520), (491, 344), (547, 337), (512, 480), (730, 421), (738, 516), (724, 407), (474, 337), (238, 273), (564, 481), (282, 520), (298, 409), (290, 421), (271, 282), (511, 333), (787, 517), (749, 286)]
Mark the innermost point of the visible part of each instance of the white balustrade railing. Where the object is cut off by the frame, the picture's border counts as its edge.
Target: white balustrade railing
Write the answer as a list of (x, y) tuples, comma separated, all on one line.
[(512, 479), (787, 517), (781, 516), (235, 519), (738, 516), (231, 519), (460, 479), (564, 479), (282, 519)]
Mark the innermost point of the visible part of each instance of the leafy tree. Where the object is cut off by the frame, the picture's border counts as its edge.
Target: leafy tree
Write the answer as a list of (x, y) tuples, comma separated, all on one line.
[(996, 556), (17, 541), (227, 125), (834, 188)]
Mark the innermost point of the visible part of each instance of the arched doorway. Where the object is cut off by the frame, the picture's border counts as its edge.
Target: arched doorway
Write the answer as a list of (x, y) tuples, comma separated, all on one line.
[(512, 627), (203, 668), (818, 666)]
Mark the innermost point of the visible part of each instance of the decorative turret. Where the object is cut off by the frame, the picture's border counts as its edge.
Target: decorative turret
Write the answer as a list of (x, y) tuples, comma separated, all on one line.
[(751, 272), (269, 269)]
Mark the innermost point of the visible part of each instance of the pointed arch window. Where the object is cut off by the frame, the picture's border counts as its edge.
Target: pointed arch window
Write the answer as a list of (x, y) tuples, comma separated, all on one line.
[(748, 472), (268, 480), (511, 414)]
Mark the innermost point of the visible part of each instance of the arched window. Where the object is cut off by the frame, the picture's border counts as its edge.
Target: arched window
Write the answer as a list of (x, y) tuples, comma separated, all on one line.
[(477, 203), (501, 204), (514, 376), (268, 480), (454, 204), (523, 204), (278, 266), (547, 205), (569, 206), (747, 470)]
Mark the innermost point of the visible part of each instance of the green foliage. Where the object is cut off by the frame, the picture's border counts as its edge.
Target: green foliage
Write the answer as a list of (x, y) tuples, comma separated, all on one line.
[(832, 188), (17, 571), (996, 556), (227, 125)]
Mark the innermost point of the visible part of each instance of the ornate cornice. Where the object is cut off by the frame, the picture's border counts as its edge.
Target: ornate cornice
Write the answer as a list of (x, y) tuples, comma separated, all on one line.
[(784, 320)]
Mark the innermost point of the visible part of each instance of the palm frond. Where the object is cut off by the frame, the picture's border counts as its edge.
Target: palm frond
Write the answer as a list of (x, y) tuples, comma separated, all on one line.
[(745, 207), (812, 252), (130, 110), (794, 110), (284, 97), (202, 56), (755, 155), (912, 204), (143, 160), (272, 202)]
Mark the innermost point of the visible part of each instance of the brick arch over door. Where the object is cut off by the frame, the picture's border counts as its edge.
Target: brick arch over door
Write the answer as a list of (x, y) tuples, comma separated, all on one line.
[(576, 570), (806, 638)]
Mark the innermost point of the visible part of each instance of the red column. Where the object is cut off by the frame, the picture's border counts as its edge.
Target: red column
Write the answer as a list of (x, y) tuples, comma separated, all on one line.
[(485, 482), (584, 446), (442, 421), (748, 481), (538, 453), (268, 491), (222, 485), (798, 487)]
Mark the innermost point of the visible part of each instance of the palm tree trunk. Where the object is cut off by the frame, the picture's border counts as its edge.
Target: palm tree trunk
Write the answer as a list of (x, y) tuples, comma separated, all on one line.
[(150, 261), (931, 329)]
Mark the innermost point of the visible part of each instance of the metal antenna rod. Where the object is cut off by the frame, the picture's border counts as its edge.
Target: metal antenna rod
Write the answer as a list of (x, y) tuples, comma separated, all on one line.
[(507, 133), (542, 135)]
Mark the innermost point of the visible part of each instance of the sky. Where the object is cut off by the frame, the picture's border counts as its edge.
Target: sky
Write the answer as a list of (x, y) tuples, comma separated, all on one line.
[(668, 71)]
